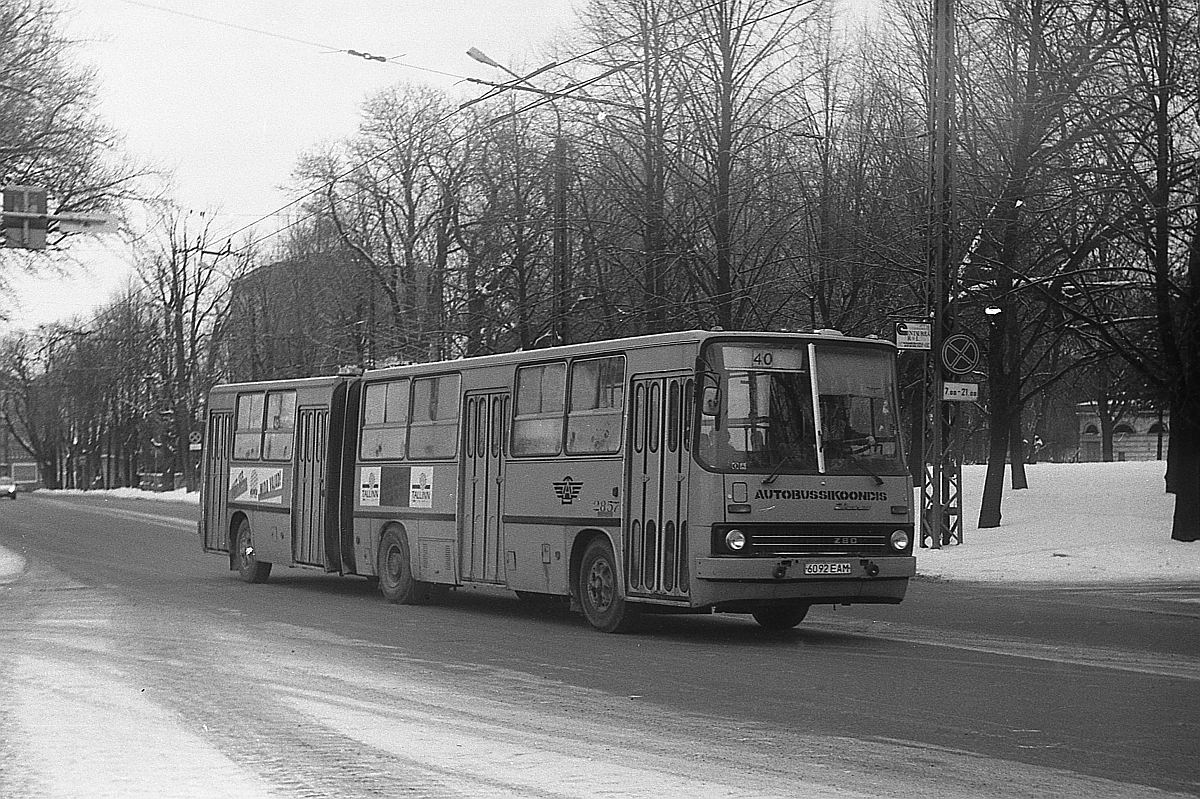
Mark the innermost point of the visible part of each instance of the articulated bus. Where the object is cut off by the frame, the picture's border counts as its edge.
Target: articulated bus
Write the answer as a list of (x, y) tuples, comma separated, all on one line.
[(699, 471)]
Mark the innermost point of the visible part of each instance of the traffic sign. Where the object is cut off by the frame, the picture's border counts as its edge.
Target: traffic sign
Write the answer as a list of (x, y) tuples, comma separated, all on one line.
[(23, 221), (960, 354), (960, 392), (914, 335)]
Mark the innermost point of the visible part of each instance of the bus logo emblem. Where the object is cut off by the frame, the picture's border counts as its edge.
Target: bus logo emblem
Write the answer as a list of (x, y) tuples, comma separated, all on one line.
[(567, 489)]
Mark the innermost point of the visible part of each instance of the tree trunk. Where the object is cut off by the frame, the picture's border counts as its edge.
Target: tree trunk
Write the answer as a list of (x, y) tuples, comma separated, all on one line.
[(1174, 453), (993, 483), (1016, 452), (1107, 422), (1184, 455), (999, 427), (916, 448)]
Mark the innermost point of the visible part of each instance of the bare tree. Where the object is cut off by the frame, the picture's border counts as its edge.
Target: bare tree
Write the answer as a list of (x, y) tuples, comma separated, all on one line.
[(384, 194), (31, 406), (50, 134), (1028, 65), (1133, 284), (641, 39), (185, 276)]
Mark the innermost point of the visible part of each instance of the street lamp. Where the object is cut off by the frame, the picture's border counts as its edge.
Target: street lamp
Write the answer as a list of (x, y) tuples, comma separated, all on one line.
[(484, 58)]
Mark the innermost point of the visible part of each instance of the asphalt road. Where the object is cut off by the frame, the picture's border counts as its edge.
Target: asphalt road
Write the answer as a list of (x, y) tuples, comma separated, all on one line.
[(131, 653)]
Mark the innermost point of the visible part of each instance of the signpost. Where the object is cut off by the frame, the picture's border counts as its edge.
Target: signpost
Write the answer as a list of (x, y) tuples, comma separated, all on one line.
[(960, 392), (960, 354), (914, 335)]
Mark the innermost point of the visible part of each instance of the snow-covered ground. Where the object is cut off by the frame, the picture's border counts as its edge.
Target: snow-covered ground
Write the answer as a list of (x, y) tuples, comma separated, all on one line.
[(1076, 523)]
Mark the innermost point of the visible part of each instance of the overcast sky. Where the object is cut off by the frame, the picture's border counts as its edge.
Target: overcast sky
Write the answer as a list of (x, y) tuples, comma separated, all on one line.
[(228, 106)]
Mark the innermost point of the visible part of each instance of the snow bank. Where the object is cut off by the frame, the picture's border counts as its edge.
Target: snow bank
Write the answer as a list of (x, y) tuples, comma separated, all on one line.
[(1076, 523), (178, 495)]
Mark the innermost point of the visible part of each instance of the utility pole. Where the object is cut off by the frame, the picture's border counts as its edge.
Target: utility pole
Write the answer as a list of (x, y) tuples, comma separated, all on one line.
[(941, 517), (560, 278), (562, 242)]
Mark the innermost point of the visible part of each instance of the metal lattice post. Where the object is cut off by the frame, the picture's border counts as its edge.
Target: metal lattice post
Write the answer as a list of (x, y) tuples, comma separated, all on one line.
[(942, 472)]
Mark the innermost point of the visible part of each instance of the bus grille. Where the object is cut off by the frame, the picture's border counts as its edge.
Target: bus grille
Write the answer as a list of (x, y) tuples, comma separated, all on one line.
[(768, 540)]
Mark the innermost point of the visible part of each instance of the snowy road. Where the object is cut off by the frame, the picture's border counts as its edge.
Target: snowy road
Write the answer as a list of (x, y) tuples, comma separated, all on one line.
[(132, 665)]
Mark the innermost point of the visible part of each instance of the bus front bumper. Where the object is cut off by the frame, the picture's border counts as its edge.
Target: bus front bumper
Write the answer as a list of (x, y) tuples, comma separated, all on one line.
[(800, 569)]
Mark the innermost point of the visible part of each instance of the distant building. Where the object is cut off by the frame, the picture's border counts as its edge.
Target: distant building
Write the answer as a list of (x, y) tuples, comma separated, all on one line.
[(300, 317), (1139, 434), (16, 461)]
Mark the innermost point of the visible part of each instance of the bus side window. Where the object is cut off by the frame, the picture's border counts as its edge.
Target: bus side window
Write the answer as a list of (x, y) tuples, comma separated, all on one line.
[(689, 420), (385, 414), (281, 424), (433, 420), (247, 438), (597, 406), (538, 412)]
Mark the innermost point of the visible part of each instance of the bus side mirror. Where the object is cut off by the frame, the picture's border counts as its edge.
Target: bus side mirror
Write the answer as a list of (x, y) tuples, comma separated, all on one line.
[(710, 404)]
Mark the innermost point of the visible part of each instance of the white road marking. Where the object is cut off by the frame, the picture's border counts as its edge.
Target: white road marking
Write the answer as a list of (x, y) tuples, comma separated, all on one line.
[(173, 522), (498, 761), (1157, 664)]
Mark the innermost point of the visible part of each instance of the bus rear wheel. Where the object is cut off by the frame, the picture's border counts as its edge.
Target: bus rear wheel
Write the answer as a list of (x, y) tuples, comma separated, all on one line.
[(250, 568), (780, 617), (396, 581), (600, 596)]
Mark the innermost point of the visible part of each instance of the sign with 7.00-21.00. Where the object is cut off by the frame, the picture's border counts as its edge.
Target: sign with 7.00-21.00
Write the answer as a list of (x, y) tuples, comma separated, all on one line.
[(960, 392)]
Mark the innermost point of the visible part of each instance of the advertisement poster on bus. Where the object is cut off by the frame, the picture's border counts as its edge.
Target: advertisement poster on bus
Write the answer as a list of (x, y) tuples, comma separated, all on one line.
[(368, 486), (256, 485), (395, 486), (420, 491)]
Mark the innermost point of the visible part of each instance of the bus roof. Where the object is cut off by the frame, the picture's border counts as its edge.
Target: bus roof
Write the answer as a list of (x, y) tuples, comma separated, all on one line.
[(265, 385), (551, 353), (629, 343)]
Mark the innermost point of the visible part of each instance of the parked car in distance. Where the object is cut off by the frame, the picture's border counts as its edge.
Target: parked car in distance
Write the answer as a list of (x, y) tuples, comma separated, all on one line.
[(8, 488)]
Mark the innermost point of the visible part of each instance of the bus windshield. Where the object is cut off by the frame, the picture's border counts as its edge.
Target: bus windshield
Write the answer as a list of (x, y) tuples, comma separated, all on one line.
[(789, 408)]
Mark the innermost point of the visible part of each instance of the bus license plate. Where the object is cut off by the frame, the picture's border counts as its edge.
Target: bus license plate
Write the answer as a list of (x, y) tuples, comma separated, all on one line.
[(826, 568)]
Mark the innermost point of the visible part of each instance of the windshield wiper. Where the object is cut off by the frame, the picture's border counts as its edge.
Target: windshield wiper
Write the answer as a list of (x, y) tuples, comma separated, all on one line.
[(862, 464), (784, 461)]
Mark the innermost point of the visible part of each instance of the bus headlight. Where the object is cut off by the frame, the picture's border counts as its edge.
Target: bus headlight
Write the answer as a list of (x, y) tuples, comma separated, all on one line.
[(735, 540), (899, 540)]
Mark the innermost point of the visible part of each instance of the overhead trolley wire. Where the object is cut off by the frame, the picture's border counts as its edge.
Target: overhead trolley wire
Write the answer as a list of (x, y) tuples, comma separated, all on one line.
[(393, 60), (549, 96)]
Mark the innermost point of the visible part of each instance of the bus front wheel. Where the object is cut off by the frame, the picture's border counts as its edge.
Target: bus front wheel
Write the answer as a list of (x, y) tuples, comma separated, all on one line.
[(396, 581), (600, 594), (250, 568), (780, 617)]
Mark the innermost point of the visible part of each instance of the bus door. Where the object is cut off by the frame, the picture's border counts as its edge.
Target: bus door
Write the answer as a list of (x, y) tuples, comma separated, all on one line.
[(308, 508), (656, 544), (481, 531), (216, 482)]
